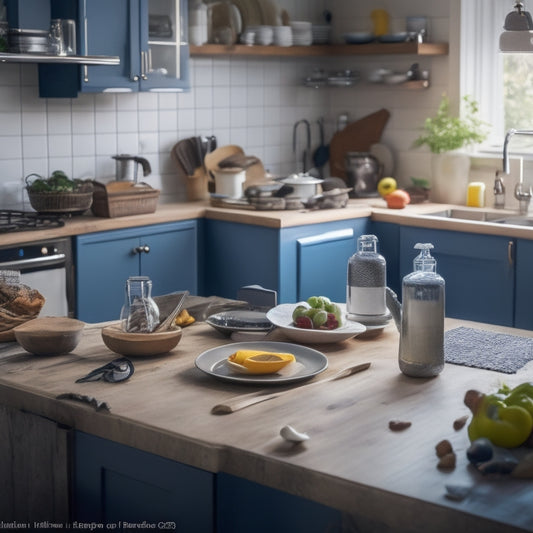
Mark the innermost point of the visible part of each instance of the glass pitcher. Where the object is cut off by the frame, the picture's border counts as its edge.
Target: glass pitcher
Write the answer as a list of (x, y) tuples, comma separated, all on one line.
[(140, 313)]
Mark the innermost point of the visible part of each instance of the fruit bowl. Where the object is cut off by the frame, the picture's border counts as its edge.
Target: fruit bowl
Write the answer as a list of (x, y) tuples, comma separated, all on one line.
[(281, 317)]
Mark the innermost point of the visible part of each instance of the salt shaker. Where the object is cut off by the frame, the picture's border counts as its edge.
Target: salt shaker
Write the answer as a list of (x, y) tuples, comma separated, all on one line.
[(139, 313), (367, 279), (422, 324)]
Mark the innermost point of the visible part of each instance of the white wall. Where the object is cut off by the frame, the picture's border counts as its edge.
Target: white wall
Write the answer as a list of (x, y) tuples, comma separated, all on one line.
[(246, 101)]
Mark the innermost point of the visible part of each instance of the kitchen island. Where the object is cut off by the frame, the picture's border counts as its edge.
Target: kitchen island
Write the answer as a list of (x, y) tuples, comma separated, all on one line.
[(376, 479)]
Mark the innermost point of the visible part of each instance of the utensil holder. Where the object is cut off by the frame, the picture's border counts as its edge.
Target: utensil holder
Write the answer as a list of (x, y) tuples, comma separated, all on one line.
[(197, 187)]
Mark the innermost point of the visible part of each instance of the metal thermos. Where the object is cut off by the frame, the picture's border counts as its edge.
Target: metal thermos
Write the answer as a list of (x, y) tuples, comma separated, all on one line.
[(363, 171)]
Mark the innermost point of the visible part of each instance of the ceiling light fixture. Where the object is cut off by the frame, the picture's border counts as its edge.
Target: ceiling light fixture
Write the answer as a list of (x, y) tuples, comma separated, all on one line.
[(518, 34)]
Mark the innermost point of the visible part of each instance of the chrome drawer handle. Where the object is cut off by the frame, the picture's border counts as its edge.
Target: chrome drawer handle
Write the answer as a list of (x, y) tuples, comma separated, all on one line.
[(141, 249)]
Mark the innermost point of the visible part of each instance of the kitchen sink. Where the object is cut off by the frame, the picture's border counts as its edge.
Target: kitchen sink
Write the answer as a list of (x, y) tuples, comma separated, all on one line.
[(480, 215), (470, 214)]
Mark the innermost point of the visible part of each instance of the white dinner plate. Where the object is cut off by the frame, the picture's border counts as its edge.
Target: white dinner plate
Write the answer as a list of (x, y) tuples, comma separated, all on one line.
[(281, 317), (309, 363)]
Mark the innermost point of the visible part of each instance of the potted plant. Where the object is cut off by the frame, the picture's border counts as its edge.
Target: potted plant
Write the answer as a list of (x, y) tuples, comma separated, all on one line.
[(447, 137)]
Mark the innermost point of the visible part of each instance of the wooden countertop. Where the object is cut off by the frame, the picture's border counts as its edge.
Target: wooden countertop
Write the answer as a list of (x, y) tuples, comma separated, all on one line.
[(352, 462), (413, 215)]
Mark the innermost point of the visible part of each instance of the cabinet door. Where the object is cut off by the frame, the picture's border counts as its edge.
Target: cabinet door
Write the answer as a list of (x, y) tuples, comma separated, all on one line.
[(172, 263), (34, 468), (260, 509), (322, 264), (524, 287), (164, 50), (148, 61), (105, 260), (478, 271), (114, 483), (292, 261)]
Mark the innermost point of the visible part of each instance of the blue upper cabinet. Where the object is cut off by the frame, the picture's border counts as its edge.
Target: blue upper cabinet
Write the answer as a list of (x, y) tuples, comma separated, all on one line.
[(147, 35)]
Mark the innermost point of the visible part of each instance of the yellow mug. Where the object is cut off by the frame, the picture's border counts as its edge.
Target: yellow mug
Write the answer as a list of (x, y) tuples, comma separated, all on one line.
[(380, 18)]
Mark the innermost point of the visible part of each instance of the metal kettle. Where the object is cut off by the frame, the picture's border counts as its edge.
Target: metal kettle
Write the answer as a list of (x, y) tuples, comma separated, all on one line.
[(127, 167), (363, 171)]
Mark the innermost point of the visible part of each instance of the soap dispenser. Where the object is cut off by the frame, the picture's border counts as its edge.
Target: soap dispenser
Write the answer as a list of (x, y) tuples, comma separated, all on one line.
[(422, 321), (367, 279)]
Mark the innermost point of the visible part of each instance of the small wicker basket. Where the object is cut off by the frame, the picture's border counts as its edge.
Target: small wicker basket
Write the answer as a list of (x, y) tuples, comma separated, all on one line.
[(60, 202), (123, 198)]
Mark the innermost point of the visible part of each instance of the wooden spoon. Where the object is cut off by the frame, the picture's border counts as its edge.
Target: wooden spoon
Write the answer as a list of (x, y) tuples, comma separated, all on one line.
[(240, 402)]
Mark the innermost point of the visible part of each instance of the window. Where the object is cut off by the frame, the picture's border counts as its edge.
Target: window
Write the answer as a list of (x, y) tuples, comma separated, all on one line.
[(501, 83)]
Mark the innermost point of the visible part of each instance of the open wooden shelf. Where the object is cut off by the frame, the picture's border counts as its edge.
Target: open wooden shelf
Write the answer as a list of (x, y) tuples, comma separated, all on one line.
[(425, 49)]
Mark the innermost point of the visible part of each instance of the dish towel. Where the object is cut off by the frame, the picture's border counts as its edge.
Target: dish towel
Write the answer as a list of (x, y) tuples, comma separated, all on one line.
[(486, 349)]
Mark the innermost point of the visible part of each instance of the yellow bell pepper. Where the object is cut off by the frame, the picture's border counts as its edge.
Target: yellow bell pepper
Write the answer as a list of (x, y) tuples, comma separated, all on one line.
[(261, 362)]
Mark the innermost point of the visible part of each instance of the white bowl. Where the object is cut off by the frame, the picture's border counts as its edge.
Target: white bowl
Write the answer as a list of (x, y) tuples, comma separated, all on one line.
[(281, 317)]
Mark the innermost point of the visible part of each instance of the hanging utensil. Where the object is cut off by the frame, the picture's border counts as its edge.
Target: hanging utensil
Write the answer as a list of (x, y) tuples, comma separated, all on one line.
[(307, 145), (321, 155)]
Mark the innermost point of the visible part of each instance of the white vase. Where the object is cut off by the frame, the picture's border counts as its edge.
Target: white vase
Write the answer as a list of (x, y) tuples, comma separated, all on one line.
[(449, 177)]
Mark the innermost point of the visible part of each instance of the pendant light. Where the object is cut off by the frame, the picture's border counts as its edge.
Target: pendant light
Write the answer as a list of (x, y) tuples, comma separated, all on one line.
[(518, 34)]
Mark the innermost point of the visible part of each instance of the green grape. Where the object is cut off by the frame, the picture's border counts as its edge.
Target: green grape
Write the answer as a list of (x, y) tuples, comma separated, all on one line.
[(315, 302), (320, 318), (300, 310)]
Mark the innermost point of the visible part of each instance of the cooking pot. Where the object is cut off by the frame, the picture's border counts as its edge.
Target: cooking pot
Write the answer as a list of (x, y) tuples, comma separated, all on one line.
[(363, 171), (126, 167), (303, 185), (229, 181)]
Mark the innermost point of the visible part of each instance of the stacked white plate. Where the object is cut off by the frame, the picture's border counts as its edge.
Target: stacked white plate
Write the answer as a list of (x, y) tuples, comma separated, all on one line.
[(282, 35), (320, 33), (302, 34)]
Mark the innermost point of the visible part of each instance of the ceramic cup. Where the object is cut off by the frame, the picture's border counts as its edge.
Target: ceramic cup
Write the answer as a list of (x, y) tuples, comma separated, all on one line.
[(229, 181)]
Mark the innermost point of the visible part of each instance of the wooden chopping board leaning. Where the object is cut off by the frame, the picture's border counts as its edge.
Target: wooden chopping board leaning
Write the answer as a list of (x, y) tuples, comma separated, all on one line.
[(357, 136)]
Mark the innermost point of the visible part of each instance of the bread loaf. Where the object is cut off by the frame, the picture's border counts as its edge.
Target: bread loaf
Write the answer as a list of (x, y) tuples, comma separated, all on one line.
[(20, 299)]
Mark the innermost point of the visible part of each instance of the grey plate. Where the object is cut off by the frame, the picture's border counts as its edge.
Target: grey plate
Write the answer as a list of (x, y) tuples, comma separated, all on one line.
[(240, 320), (213, 362)]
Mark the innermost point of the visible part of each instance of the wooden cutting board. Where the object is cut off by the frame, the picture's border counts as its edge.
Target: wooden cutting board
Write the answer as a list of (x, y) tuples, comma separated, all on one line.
[(357, 136)]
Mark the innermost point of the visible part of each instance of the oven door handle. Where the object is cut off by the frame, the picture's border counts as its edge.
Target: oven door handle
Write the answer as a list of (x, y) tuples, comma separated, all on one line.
[(49, 260)]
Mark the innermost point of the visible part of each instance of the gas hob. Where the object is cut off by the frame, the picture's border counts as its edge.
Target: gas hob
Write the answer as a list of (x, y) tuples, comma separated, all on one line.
[(11, 221)]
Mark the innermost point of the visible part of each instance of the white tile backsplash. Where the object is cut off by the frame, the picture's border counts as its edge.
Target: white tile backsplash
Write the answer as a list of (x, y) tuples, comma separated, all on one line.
[(249, 101)]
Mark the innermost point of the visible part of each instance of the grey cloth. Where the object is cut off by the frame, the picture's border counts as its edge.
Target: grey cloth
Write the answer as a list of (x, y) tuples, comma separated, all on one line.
[(485, 349)]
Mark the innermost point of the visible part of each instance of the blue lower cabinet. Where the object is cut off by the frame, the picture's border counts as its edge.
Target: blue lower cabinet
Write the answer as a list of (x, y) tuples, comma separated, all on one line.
[(524, 286), (478, 269), (167, 253), (246, 507), (116, 484), (297, 262)]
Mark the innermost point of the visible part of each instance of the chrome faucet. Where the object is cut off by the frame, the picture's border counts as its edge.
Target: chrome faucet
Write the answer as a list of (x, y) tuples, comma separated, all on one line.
[(523, 197)]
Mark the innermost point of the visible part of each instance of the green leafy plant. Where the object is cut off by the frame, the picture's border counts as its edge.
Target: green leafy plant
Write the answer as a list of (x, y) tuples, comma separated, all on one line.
[(444, 132)]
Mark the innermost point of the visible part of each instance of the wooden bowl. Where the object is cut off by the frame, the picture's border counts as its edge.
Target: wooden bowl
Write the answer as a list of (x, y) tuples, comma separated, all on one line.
[(49, 335), (140, 344)]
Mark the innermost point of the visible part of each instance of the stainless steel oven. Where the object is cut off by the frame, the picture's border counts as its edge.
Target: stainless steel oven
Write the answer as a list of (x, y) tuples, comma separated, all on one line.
[(47, 266)]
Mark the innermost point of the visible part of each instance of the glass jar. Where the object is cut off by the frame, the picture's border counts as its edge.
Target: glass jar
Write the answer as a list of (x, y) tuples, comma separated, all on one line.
[(140, 313), (367, 279), (422, 326)]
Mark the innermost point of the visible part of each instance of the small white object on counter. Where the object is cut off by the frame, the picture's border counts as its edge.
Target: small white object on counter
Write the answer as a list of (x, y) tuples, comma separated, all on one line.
[(291, 435)]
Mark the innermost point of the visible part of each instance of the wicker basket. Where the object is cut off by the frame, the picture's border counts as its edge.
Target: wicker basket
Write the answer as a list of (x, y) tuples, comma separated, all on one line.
[(60, 202), (121, 198)]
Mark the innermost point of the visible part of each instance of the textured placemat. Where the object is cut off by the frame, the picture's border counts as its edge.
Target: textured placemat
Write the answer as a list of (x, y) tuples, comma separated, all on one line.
[(485, 349)]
